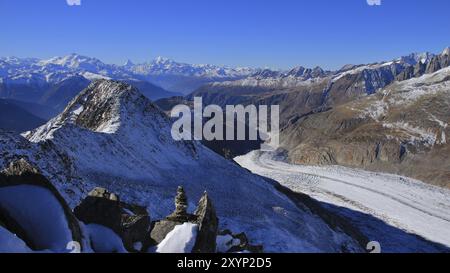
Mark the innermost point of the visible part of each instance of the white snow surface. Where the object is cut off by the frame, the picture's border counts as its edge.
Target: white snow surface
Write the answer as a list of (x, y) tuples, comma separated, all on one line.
[(406, 204), (35, 71), (39, 213), (138, 160), (180, 240), (104, 240), (10, 243)]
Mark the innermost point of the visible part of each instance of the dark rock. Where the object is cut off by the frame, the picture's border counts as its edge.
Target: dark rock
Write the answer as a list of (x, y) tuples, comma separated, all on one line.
[(419, 69), (438, 62), (243, 244), (207, 226), (22, 173), (130, 222), (179, 216), (161, 229), (205, 217), (434, 65), (136, 225), (97, 208), (181, 203)]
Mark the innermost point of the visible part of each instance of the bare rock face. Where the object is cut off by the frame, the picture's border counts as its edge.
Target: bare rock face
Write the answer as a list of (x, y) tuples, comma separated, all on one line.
[(98, 208), (161, 229), (208, 224), (130, 222), (205, 217), (103, 193), (21, 173)]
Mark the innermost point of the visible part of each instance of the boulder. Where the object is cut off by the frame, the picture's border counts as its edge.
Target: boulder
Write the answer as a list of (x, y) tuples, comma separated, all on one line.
[(98, 208), (130, 222), (239, 243), (21, 173), (161, 229)]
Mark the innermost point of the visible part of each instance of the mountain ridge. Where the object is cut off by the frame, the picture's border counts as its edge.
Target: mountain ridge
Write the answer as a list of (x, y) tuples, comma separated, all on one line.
[(126, 147)]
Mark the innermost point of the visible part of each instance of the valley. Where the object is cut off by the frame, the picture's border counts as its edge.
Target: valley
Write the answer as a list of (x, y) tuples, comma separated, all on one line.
[(403, 214)]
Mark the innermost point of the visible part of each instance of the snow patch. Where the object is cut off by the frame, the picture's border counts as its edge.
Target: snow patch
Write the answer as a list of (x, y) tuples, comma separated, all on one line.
[(180, 240), (10, 243), (104, 240), (39, 213)]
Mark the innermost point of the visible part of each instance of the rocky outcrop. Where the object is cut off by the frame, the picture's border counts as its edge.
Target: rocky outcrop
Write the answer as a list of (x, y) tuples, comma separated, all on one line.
[(208, 224), (438, 62), (21, 173), (130, 222), (434, 64), (205, 217), (232, 243), (412, 71), (179, 216)]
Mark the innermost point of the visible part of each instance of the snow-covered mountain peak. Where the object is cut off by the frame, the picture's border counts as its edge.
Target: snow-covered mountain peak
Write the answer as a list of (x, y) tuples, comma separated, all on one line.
[(162, 60), (306, 73), (446, 51), (128, 64), (72, 60), (105, 106), (414, 58)]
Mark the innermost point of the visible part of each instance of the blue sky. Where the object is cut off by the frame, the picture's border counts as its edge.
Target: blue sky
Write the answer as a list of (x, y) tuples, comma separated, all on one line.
[(258, 33)]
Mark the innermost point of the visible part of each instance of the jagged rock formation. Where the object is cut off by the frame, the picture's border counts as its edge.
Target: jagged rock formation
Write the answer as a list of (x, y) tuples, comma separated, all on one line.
[(130, 222), (205, 217), (20, 181), (208, 225)]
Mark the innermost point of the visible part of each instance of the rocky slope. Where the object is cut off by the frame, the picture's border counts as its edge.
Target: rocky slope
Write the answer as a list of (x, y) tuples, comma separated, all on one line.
[(112, 136), (34, 217), (401, 129)]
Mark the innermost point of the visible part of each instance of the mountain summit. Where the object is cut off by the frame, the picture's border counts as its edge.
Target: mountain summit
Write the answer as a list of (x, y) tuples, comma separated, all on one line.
[(113, 137)]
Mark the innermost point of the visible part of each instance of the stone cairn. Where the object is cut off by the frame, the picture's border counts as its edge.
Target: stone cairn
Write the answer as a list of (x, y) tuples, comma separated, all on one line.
[(181, 204)]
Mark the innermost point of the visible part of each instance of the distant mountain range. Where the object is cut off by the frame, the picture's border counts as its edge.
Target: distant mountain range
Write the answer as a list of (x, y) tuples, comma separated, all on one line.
[(322, 113), (170, 75), (47, 86), (90, 124)]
